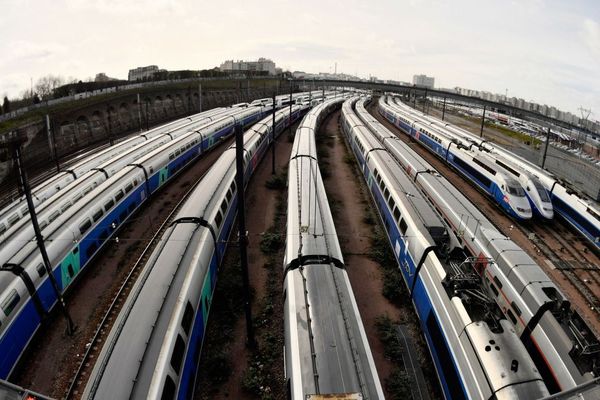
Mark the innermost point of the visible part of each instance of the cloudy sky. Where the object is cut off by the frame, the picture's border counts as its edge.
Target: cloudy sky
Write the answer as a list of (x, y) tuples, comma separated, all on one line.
[(542, 50)]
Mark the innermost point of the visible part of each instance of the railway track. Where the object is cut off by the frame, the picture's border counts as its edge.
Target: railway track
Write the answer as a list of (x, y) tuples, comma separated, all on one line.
[(94, 347)]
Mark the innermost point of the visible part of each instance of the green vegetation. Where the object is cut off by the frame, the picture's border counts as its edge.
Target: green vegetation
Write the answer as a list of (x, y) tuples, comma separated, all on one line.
[(264, 376), (398, 384), (277, 181)]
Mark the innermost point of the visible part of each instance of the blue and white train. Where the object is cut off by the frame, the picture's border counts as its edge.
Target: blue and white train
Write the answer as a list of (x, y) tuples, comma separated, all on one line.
[(563, 347), (13, 212), (153, 349), (22, 231), (538, 196), (504, 190), (76, 236), (476, 353)]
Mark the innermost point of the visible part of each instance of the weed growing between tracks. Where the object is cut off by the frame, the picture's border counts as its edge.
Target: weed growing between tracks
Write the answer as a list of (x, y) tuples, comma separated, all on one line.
[(264, 375), (398, 384)]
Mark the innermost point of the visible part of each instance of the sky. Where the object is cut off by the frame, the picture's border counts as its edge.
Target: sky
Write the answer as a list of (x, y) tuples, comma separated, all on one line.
[(547, 51)]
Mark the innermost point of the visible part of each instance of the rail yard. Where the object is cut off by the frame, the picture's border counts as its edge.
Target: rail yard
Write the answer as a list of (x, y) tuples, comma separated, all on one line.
[(487, 264)]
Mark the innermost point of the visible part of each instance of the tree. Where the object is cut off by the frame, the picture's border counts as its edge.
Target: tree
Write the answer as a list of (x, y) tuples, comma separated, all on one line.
[(36, 99), (46, 85), (6, 105)]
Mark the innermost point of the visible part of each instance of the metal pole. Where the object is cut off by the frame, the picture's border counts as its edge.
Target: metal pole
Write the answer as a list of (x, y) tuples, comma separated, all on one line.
[(40, 239), (51, 143), (290, 116), (242, 236), (273, 139), (139, 111), (200, 96), (425, 102), (546, 147), (482, 120), (444, 109)]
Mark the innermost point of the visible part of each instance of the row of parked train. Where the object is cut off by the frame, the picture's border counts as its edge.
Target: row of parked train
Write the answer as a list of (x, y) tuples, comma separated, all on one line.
[(495, 324), (80, 209), (522, 189)]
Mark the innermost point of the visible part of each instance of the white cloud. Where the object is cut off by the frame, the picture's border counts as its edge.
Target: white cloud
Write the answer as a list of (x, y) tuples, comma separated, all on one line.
[(591, 35)]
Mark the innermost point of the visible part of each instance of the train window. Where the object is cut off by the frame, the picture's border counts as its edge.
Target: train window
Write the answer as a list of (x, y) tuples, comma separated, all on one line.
[(119, 195), (97, 215), (218, 219), (135, 182), (65, 207), (85, 226), (397, 214), (497, 282), (108, 205), (229, 195), (151, 170), (188, 316), (13, 219), (128, 187), (41, 270), (224, 206), (2, 229), (171, 156), (511, 316), (403, 227), (493, 287), (53, 216), (10, 302), (516, 308), (168, 390), (178, 353)]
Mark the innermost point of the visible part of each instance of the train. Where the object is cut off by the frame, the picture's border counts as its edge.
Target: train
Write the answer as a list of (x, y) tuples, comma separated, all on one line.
[(326, 348), (578, 211), (564, 349), (13, 212), (476, 352), (506, 192), (537, 195), (76, 236), (153, 349), (219, 125)]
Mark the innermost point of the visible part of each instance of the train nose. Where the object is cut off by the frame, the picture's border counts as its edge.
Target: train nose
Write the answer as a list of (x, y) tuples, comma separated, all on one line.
[(521, 207), (547, 210)]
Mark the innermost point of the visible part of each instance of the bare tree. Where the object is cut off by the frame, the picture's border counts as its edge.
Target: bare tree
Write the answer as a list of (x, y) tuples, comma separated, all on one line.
[(46, 85)]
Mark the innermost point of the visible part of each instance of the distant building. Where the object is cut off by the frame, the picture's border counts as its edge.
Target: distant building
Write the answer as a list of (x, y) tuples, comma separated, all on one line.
[(423, 81), (262, 65), (142, 73), (102, 77)]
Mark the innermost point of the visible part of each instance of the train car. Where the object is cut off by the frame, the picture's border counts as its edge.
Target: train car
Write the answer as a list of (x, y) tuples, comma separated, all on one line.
[(580, 213), (562, 346), (14, 212), (505, 191), (76, 236), (538, 196), (326, 349), (167, 310), (476, 352), (22, 232)]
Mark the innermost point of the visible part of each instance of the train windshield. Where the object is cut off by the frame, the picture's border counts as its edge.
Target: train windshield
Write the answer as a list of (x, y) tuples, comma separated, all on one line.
[(516, 191), (542, 191)]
